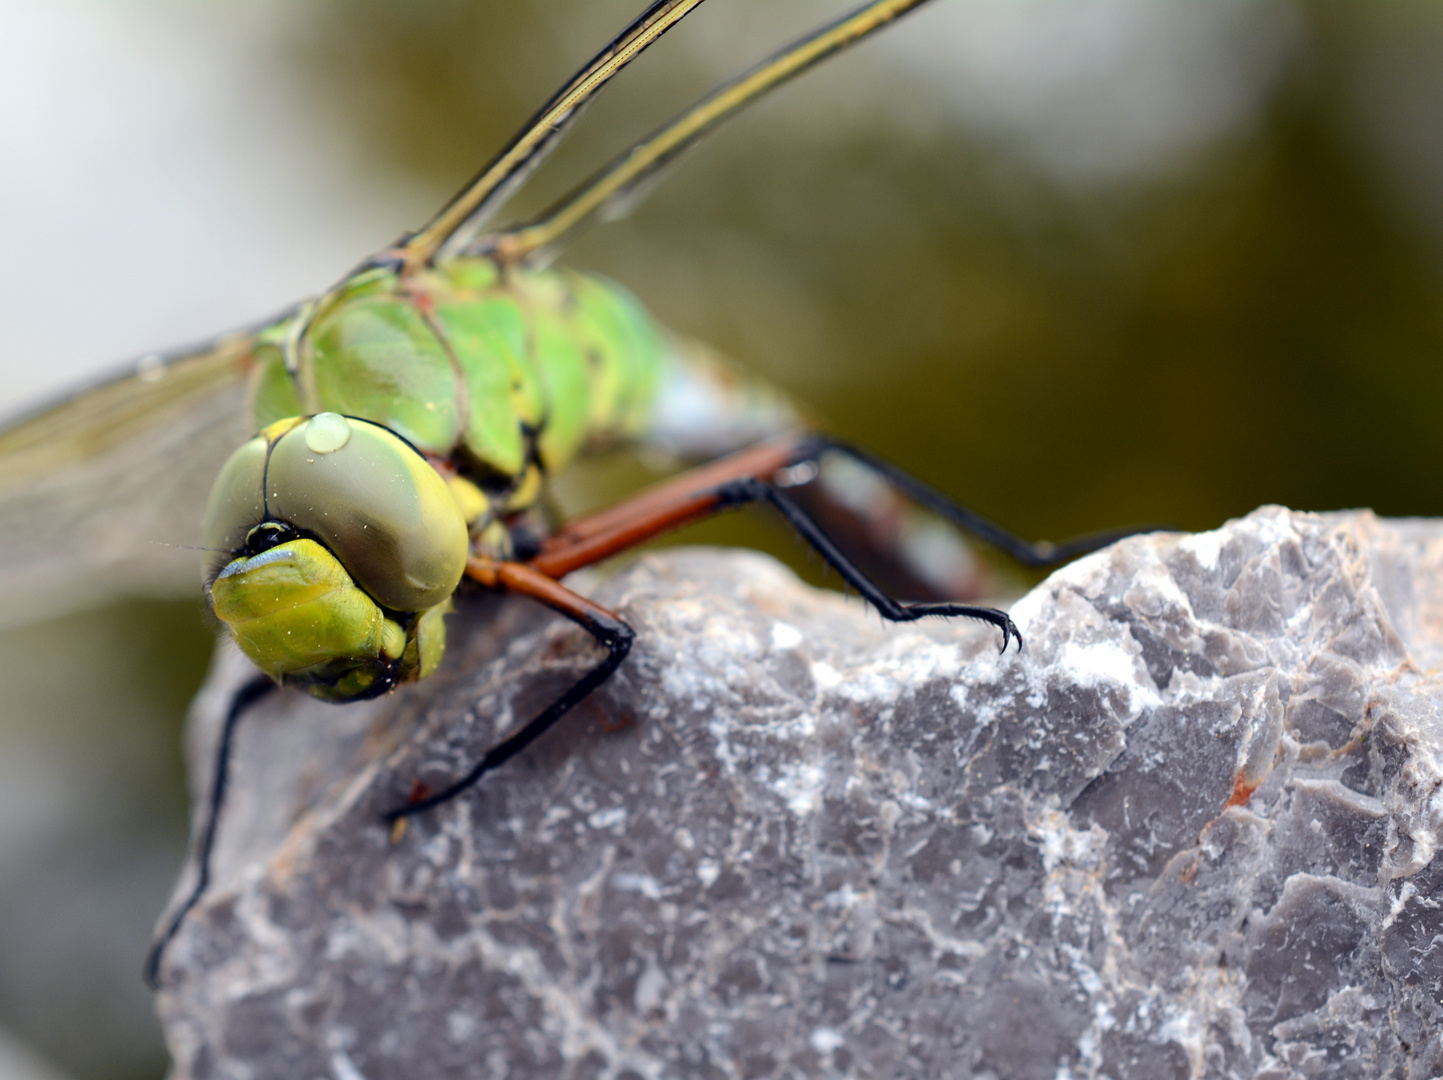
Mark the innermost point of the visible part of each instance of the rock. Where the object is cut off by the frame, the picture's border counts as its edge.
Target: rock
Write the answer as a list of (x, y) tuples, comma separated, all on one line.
[(1189, 832)]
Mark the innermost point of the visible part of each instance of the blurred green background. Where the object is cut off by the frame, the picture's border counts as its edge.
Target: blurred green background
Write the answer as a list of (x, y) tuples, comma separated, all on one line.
[(1078, 264)]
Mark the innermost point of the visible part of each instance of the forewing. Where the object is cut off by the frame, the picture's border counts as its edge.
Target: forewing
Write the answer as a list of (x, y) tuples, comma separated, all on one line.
[(101, 495)]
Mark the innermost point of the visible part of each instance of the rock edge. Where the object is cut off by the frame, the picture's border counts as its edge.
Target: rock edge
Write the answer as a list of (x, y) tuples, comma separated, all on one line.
[(1189, 832)]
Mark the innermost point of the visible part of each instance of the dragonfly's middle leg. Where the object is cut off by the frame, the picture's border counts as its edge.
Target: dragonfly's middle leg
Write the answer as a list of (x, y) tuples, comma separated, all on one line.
[(753, 475), (751, 489)]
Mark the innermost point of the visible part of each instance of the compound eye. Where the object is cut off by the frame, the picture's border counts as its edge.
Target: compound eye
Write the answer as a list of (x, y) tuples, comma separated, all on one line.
[(376, 502), (236, 504), (360, 489)]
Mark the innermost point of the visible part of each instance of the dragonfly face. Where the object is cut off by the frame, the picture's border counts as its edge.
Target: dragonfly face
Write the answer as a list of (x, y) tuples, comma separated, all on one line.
[(341, 549)]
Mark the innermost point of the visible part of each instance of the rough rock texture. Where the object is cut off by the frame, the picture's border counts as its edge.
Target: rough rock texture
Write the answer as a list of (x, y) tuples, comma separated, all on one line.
[(1190, 832)]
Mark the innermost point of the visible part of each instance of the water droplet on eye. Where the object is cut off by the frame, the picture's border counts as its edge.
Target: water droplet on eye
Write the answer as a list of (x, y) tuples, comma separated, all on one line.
[(328, 432)]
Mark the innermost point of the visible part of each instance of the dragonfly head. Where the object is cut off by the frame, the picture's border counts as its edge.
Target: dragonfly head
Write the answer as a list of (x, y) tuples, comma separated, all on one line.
[(335, 550)]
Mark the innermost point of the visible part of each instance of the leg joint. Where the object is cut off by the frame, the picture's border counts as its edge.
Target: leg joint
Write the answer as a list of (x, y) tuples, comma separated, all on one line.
[(739, 492), (618, 639)]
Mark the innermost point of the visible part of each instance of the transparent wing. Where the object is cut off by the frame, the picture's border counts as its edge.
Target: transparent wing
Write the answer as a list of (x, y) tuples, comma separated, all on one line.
[(617, 187), (457, 222), (101, 495)]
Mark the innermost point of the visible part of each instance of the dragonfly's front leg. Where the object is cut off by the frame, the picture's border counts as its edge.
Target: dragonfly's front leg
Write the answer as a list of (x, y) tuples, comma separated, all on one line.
[(608, 629)]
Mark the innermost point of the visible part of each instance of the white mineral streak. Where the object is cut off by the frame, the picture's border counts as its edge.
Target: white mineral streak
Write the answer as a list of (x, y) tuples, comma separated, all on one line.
[(785, 636), (1191, 830)]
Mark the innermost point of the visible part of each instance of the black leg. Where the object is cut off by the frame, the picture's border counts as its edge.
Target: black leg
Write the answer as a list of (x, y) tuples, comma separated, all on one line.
[(1023, 551), (609, 630), (244, 698), (750, 489)]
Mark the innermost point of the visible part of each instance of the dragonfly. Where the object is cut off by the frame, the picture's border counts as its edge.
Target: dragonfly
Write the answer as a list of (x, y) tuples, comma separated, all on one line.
[(393, 437)]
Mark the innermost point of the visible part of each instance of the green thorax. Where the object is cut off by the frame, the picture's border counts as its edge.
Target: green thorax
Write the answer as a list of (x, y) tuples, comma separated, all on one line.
[(495, 369)]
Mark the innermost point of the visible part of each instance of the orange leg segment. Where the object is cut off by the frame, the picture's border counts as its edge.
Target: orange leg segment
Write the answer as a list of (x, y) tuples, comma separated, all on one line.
[(683, 499)]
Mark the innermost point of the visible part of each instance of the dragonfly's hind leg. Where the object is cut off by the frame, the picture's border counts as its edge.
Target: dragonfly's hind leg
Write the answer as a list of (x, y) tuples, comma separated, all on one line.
[(693, 495), (608, 629), (243, 699), (1040, 554)]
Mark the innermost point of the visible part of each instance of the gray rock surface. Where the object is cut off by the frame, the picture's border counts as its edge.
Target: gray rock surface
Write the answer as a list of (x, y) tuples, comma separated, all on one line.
[(1189, 832)]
